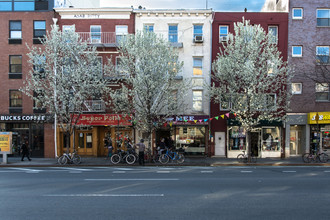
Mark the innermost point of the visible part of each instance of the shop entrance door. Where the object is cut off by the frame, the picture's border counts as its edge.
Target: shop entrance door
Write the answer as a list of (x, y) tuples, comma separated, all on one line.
[(255, 143), (295, 141), (220, 144), (85, 143)]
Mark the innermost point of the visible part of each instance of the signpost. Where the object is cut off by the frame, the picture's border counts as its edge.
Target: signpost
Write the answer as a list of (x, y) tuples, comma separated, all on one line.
[(6, 145)]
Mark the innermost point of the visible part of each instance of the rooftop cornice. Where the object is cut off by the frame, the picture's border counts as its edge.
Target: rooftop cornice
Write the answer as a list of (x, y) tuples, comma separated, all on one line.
[(146, 11), (94, 10)]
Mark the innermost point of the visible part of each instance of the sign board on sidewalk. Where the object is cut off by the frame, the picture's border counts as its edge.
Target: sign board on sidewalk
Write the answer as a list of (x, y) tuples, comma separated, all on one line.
[(6, 143)]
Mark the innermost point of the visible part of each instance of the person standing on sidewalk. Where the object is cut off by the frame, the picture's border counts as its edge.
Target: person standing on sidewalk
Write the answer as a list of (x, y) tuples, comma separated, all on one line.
[(141, 148), (25, 151)]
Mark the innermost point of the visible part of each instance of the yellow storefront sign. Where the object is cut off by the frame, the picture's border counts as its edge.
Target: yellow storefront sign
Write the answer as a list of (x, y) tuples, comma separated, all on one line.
[(5, 142), (319, 118)]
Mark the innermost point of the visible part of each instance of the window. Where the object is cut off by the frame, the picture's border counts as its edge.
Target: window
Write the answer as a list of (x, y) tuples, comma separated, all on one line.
[(270, 67), (6, 5), (322, 54), (95, 34), (323, 17), (297, 13), (297, 51), (197, 66), (121, 33), (296, 88), (197, 101), (223, 33), (39, 29), (273, 30), (198, 33), (15, 101), (15, 29), (15, 64), (23, 5), (322, 91), (173, 33), (68, 28), (149, 27), (119, 69)]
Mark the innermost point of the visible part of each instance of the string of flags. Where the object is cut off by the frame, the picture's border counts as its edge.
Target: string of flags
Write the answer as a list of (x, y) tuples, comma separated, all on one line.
[(201, 120)]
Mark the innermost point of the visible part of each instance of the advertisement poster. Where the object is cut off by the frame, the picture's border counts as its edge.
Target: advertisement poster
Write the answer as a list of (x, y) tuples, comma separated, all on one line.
[(5, 142)]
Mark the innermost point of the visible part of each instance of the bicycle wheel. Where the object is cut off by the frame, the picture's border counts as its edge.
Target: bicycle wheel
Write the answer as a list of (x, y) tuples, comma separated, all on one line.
[(63, 160), (323, 157), (155, 158), (76, 159), (130, 159), (163, 159), (180, 158), (115, 159), (306, 158), (241, 158)]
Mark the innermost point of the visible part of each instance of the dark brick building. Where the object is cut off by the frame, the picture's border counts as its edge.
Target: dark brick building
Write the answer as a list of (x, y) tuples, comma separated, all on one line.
[(229, 140)]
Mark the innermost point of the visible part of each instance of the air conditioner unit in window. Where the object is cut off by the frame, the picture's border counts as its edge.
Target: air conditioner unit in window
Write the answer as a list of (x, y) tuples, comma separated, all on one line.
[(198, 39), (223, 38)]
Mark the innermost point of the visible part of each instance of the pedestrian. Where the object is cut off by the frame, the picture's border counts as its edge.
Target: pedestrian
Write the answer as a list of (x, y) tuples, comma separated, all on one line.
[(110, 147), (141, 148), (25, 151)]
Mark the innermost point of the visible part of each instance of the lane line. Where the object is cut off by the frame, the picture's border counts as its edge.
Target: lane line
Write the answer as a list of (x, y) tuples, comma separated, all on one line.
[(246, 171), (119, 171), (206, 171), (105, 195), (163, 171), (289, 171), (73, 169), (26, 170), (131, 179)]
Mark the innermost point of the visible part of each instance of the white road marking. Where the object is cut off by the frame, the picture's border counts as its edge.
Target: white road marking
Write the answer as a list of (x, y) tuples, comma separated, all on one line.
[(105, 195), (27, 170), (163, 171), (246, 171), (206, 171), (327, 171), (119, 171), (131, 179), (289, 171), (72, 169)]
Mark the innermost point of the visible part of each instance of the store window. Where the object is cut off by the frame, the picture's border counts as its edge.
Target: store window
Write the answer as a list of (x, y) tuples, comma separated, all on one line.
[(237, 138), (271, 139), (191, 139)]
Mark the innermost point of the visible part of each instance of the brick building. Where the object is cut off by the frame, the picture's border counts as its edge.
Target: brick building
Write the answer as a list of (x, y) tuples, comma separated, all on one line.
[(22, 22), (227, 139)]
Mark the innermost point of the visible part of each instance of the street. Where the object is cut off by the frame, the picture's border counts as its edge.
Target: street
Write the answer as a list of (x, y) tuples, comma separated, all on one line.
[(164, 192)]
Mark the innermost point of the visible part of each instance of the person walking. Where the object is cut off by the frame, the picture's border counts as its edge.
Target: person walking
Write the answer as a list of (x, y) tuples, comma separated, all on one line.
[(25, 151), (141, 148)]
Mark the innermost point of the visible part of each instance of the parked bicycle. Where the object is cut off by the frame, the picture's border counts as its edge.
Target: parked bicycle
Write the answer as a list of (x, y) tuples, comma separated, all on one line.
[(71, 158), (315, 156), (244, 158), (173, 155), (121, 155)]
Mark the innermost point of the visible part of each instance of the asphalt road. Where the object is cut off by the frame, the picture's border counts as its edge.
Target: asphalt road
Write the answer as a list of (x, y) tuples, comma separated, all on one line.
[(165, 193)]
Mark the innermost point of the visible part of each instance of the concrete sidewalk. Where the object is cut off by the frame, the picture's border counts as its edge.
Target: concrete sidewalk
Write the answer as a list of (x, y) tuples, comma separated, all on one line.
[(189, 161)]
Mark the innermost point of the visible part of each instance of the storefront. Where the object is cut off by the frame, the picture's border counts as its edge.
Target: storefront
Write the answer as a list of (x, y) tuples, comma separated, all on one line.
[(26, 128), (189, 134), (265, 140), (95, 131), (320, 130)]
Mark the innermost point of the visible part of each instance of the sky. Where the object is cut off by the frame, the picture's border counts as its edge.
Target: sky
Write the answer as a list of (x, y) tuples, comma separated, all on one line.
[(216, 5)]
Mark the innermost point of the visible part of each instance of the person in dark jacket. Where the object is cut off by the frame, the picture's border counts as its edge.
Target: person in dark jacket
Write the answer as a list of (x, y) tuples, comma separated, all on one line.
[(141, 148), (25, 151)]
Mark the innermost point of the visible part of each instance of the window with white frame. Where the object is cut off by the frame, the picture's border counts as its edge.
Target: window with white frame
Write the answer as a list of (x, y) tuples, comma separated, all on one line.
[(297, 13), (149, 27), (297, 51), (198, 100), (95, 34), (296, 88), (68, 28), (197, 66), (273, 30), (223, 33), (121, 32), (173, 33), (198, 33), (322, 54), (322, 91), (323, 17)]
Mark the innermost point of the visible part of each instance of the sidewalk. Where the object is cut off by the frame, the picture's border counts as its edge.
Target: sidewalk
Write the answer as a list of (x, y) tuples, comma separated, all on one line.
[(189, 161)]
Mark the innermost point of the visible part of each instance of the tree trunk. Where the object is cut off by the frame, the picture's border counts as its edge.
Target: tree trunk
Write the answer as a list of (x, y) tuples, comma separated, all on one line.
[(248, 145)]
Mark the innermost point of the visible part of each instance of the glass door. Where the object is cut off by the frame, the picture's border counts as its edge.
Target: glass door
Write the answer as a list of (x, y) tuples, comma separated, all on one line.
[(85, 143), (295, 141)]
